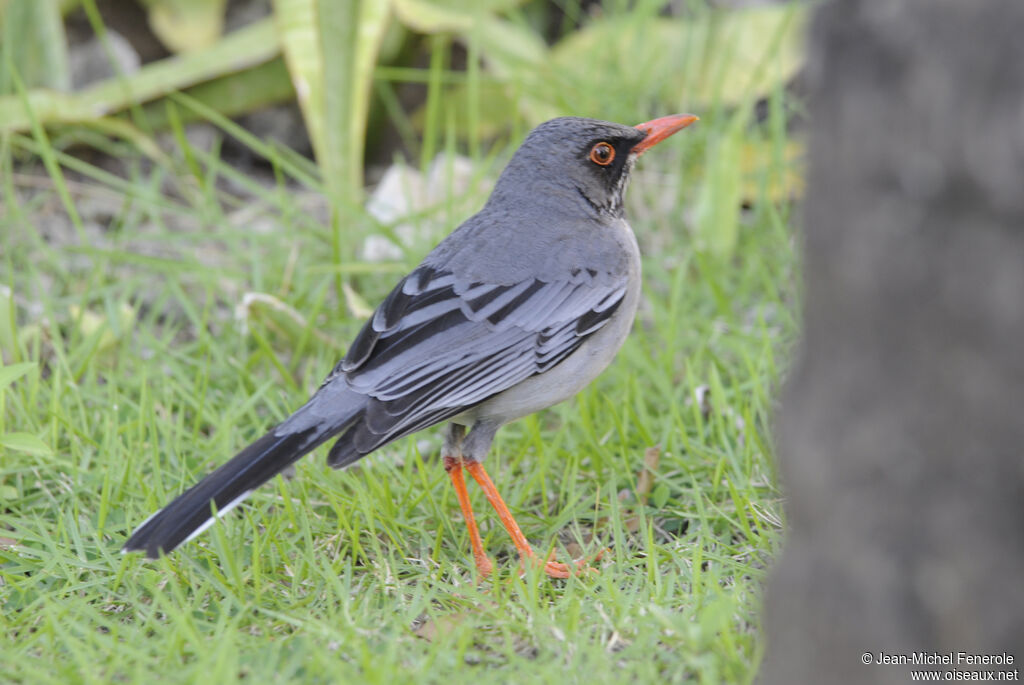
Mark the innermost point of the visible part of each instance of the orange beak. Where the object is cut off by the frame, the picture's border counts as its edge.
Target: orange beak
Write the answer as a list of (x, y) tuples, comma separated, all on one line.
[(659, 129)]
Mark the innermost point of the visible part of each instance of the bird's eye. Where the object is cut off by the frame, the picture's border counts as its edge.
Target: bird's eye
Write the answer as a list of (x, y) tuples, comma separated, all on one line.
[(602, 154)]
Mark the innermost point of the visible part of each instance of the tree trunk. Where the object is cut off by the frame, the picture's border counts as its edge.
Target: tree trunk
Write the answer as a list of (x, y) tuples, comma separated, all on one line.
[(901, 433)]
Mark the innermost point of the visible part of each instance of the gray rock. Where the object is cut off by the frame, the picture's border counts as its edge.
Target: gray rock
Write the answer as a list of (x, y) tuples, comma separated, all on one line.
[(90, 62)]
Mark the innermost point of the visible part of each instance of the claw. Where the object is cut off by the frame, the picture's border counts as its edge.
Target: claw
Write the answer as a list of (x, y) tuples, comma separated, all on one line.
[(558, 569)]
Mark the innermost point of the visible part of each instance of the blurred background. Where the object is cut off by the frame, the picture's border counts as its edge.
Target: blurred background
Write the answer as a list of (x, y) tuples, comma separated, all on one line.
[(355, 86)]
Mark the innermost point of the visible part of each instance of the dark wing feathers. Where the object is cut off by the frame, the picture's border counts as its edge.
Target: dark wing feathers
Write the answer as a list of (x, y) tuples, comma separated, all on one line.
[(593, 319), (437, 346)]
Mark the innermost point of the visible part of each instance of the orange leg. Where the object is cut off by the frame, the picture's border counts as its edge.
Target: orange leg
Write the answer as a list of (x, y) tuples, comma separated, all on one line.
[(454, 468), (552, 568)]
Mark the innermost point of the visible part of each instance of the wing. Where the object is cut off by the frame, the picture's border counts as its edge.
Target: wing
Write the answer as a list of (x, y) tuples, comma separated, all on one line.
[(437, 346)]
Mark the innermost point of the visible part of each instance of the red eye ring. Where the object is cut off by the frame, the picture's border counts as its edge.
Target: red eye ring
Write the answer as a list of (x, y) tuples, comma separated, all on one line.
[(602, 154)]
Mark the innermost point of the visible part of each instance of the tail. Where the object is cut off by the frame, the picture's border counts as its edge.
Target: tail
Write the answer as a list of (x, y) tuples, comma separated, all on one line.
[(191, 513)]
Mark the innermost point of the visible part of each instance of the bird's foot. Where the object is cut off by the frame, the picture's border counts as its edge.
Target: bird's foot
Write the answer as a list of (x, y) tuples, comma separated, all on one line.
[(484, 566), (558, 569)]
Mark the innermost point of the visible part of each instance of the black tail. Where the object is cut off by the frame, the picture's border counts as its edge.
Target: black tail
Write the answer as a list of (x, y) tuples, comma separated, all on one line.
[(190, 514)]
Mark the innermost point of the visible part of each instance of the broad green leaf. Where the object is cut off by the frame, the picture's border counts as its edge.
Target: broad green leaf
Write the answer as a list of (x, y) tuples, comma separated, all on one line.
[(331, 48), (185, 25), (231, 95), (504, 44), (11, 373), (245, 48), (25, 442), (33, 39), (669, 64), (446, 16), (720, 58), (349, 82), (300, 44), (428, 17), (507, 47)]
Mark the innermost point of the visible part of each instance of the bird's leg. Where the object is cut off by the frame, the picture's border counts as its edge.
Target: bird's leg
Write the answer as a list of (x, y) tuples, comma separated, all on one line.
[(526, 554), (453, 465), (454, 468)]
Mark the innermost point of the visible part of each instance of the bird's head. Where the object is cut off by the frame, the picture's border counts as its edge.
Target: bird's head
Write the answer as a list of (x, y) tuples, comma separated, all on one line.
[(582, 161)]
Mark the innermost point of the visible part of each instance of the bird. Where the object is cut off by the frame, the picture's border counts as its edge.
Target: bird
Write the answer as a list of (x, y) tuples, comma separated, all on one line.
[(516, 310)]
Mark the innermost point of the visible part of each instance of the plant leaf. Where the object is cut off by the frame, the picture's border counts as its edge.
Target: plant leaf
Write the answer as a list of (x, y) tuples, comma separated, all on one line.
[(661, 495), (346, 116), (25, 442), (242, 49), (428, 17), (33, 39), (508, 47), (447, 16), (331, 50), (720, 58), (296, 26), (11, 373), (185, 25), (231, 95)]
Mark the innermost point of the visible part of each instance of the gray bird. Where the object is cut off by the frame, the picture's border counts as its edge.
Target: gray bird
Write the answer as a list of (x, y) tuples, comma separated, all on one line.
[(518, 309)]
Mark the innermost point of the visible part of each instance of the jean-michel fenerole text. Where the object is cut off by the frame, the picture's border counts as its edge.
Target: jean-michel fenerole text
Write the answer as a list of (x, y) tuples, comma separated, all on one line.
[(944, 658)]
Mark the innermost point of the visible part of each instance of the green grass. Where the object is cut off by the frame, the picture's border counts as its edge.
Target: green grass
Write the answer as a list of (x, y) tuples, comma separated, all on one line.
[(366, 574)]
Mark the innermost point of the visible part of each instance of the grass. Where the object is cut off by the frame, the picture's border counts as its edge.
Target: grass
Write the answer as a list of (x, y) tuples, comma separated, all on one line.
[(143, 380)]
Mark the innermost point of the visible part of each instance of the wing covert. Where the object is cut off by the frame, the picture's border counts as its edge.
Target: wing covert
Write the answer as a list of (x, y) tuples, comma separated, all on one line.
[(437, 346)]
